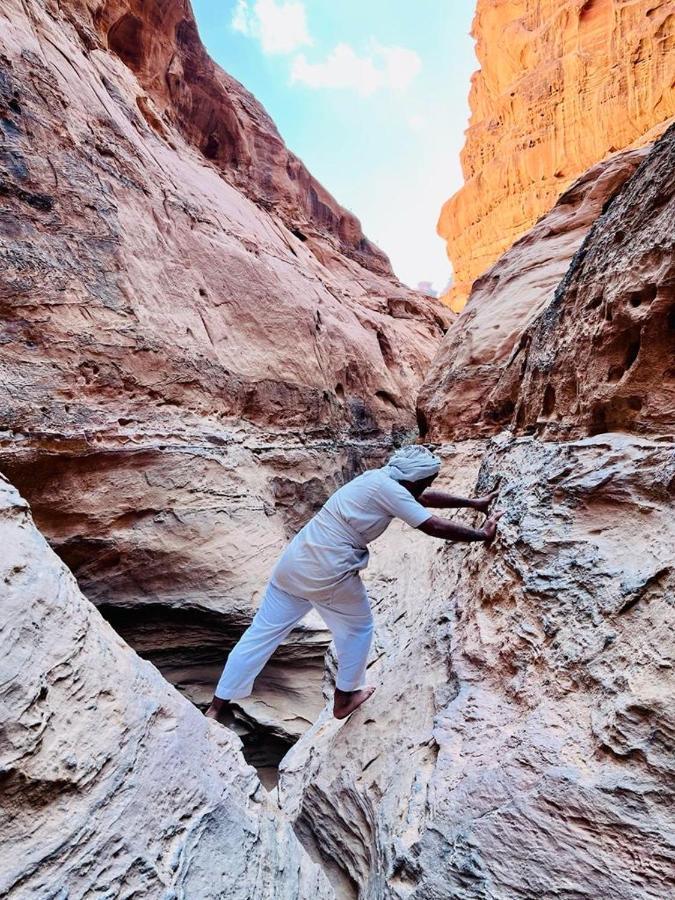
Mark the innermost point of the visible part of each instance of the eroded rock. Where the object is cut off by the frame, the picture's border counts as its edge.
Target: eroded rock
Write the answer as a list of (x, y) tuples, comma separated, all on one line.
[(560, 87), (189, 323), (601, 357), (114, 785), (468, 391), (517, 742)]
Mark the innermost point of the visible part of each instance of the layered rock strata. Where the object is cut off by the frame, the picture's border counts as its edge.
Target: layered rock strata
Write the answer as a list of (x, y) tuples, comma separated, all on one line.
[(463, 394), (560, 86), (113, 785), (197, 341)]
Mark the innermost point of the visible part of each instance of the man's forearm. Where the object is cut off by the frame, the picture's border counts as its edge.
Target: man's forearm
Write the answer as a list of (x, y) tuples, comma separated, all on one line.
[(451, 531), (441, 500)]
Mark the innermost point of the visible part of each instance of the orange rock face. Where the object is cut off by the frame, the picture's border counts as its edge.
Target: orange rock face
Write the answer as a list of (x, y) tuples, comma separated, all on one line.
[(561, 86)]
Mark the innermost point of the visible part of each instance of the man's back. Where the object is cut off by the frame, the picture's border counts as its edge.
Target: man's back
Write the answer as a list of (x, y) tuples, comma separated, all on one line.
[(332, 545)]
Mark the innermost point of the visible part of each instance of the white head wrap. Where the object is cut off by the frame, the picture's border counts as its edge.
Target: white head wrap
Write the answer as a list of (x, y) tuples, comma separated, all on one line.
[(412, 464)]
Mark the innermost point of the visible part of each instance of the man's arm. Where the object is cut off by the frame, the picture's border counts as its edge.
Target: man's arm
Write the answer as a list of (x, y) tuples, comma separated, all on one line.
[(441, 500), (435, 526)]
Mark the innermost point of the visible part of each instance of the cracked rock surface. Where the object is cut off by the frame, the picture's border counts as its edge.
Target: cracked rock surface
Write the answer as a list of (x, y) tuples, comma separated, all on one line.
[(518, 742), (113, 785)]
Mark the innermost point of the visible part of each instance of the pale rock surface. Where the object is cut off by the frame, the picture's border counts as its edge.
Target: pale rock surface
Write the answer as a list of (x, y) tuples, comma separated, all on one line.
[(561, 85), (113, 785), (462, 395), (519, 741)]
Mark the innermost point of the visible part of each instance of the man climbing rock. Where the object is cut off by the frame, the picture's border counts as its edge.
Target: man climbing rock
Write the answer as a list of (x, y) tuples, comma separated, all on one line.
[(320, 568)]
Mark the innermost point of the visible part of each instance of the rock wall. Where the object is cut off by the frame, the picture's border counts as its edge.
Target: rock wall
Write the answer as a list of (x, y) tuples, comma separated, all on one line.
[(113, 785), (197, 342), (560, 86), (599, 355), (518, 742), (611, 364), (470, 390), (192, 359)]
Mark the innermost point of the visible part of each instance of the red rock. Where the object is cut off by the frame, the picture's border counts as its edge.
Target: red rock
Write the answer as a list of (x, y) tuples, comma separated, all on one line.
[(188, 321), (561, 85)]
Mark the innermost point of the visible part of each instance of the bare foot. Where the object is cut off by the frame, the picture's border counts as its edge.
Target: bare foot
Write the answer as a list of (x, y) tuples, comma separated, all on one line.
[(345, 702), (218, 709), (482, 504)]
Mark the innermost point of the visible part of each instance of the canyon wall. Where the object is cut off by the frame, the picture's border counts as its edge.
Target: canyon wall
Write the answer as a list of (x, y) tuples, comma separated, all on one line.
[(195, 352), (518, 743), (113, 785), (560, 87), (466, 392), (594, 354), (198, 344)]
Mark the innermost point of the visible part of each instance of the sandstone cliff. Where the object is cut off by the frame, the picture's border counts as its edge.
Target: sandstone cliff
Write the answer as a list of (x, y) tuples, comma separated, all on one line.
[(560, 86), (192, 328), (466, 392), (594, 355)]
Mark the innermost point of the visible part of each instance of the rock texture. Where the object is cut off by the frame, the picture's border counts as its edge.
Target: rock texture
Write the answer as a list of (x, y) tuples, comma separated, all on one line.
[(113, 785), (599, 357), (197, 342), (194, 354), (466, 392), (560, 86), (519, 741)]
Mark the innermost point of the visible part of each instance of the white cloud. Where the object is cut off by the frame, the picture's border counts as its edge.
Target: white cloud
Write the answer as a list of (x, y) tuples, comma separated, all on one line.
[(241, 18), (400, 64), (383, 67), (279, 25), (417, 122)]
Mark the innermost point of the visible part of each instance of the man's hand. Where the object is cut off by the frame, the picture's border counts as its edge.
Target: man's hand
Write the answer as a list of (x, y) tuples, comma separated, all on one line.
[(482, 504), (490, 528)]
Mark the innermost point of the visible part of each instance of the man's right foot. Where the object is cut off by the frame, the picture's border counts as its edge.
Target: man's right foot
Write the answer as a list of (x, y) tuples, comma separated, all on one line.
[(345, 702), (218, 709)]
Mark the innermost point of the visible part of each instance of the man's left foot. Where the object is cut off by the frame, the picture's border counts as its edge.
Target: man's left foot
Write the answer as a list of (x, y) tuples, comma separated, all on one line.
[(482, 504), (345, 702)]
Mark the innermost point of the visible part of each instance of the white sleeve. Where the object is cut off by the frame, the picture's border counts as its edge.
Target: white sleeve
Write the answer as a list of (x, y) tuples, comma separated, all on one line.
[(395, 500)]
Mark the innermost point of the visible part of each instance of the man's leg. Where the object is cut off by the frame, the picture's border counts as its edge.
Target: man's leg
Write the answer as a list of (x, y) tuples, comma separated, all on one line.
[(273, 621), (350, 620)]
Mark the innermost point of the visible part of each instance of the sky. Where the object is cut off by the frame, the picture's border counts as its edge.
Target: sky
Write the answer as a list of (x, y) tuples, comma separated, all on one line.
[(371, 95)]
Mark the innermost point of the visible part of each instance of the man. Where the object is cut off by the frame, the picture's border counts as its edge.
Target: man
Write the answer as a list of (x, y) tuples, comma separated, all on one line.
[(320, 568)]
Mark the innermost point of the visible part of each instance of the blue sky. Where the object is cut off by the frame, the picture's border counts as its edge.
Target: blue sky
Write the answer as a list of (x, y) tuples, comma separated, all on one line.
[(371, 95)]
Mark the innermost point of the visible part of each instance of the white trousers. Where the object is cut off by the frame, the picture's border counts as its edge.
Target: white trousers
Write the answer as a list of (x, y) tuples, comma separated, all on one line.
[(347, 614)]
